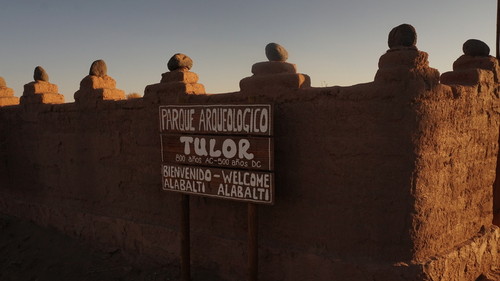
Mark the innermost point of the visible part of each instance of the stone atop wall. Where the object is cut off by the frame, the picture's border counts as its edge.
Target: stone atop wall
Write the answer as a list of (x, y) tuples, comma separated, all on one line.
[(402, 36), (475, 66), (40, 90), (40, 74), (275, 73), (276, 52), (98, 85), (7, 95), (175, 83), (180, 62), (474, 47), (403, 60)]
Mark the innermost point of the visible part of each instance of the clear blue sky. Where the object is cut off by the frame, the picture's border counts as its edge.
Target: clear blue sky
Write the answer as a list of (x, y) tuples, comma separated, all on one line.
[(336, 42)]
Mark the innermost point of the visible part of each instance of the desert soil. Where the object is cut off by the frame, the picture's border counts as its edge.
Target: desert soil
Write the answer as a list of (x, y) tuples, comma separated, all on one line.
[(32, 253)]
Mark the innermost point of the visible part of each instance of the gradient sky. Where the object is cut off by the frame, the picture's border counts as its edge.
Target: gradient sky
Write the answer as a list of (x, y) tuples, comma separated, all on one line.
[(335, 42)]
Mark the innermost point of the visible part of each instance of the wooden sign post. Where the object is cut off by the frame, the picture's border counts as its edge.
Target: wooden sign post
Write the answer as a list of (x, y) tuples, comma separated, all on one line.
[(185, 239), (253, 244), (219, 151)]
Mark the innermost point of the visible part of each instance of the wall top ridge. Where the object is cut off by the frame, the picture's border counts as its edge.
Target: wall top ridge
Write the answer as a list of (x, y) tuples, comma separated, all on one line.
[(402, 61)]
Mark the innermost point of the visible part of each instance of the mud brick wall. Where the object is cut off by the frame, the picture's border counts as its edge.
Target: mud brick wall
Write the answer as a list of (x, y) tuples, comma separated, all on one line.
[(454, 169), (386, 180)]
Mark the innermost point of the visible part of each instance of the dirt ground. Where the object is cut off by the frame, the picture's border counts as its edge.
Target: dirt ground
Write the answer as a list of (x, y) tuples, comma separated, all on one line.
[(32, 253)]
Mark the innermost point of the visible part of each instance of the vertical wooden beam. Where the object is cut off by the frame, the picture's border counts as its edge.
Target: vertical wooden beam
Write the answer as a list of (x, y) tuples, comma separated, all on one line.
[(185, 240), (498, 31), (253, 254), (496, 184)]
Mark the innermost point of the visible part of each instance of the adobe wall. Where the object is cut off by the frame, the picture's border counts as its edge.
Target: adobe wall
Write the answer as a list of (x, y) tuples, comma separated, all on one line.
[(388, 180)]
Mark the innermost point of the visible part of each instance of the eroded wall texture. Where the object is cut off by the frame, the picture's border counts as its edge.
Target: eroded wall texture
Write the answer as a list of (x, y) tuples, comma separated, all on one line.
[(388, 180)]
